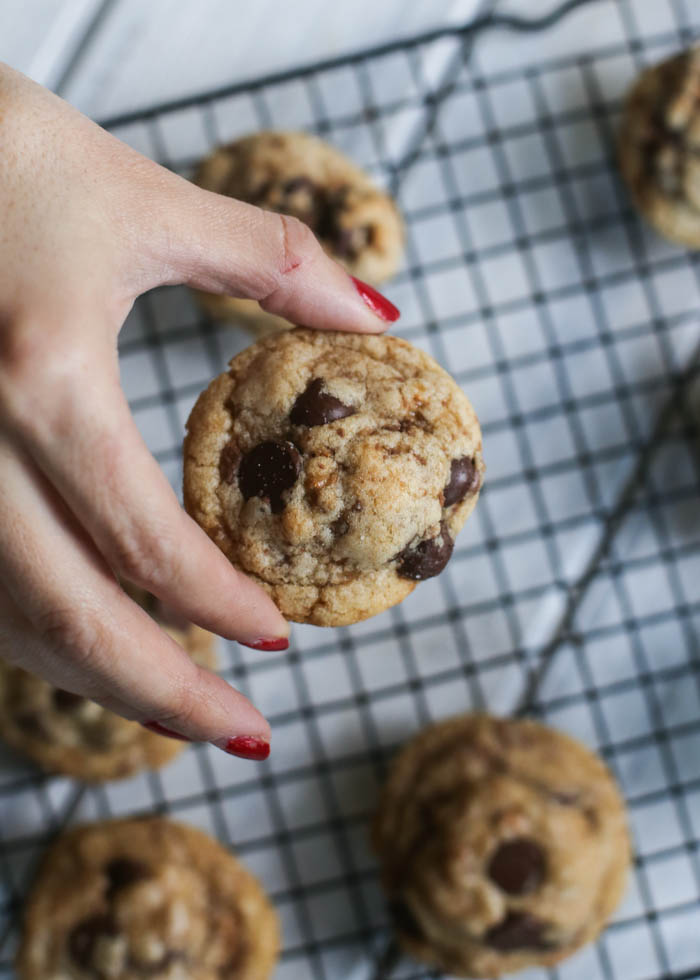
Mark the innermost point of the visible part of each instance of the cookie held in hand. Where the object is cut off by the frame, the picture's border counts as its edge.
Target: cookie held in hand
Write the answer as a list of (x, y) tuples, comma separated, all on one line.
[(334, 469), (503, 845)]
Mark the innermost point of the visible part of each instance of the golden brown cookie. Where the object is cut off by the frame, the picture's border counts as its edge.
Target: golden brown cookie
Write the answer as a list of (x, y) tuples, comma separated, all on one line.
[(130, 899), (294, 173), (65, 733), (659, 144), (334, 469), (503, 845)]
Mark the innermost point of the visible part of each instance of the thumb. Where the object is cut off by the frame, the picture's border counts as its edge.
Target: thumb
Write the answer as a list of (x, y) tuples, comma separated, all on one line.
[(222, 245)]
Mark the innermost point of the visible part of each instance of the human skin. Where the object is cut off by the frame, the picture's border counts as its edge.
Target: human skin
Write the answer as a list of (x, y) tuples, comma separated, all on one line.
[(86, 226)]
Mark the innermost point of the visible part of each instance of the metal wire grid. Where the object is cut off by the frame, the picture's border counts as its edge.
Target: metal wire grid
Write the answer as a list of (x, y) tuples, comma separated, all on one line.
[(574, 592)]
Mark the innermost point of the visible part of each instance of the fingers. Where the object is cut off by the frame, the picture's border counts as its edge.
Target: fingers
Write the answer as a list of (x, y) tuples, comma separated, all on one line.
[(66, 619), (225, 246), (85, 441)]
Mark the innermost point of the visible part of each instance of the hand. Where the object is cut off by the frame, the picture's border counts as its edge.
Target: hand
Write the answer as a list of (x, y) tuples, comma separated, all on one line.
[(87, 225)]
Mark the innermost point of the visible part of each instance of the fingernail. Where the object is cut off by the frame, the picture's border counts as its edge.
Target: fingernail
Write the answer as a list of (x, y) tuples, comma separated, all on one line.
[(245, 747), (377, 303), (276, 643), (155, 726)]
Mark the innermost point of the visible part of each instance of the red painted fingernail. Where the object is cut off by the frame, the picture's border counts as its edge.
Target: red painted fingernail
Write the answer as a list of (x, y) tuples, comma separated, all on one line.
[(277, 643), (246, 747), (155, 726), (376, 302)]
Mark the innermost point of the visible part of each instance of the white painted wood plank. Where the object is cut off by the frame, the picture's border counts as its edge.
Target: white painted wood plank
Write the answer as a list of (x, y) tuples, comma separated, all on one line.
[(149, 52), (40, 36)]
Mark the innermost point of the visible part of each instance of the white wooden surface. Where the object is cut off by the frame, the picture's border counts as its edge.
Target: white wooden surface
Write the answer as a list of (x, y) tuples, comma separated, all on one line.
[(111, 56)]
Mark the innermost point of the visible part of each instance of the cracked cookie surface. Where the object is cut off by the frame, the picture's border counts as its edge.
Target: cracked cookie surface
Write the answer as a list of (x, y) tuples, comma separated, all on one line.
[(145, 898), (334, 469), (658, 146), (68, 734), (503, 845), (298, 174)]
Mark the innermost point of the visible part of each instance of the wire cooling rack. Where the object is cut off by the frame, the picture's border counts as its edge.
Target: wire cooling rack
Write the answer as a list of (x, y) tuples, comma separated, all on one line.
[(574, 592)]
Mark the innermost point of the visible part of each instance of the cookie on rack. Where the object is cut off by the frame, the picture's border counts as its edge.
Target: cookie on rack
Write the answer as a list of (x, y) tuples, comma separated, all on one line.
[(503, 845), (71, 735), (334, 469), (145, 898), (659, 143), (294, 173)]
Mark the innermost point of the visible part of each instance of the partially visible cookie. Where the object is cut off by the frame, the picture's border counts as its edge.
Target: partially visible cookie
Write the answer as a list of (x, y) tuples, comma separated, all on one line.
[(294, 173), (334, 469), (659, 143), (503, 845), (128, 899), (65, 733)]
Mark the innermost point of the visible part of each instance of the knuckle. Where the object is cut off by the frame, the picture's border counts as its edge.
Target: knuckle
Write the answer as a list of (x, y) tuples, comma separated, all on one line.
[(36, 363), (144, 557), (72, 630), (295, 246), (294, 242), (299, 244), (20, 348)]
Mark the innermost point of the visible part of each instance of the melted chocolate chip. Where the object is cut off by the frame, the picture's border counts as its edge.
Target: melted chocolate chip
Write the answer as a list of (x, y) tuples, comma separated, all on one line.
[(347, 243), (427, 558), (228, 463), (296, 184), (404, 919), (464, 479), (32, 724), (318, 207), (566, 797), (314, 406), (123, 872), (518, 866), (66, 701), (84, 937), (268, 470), (518, 931)]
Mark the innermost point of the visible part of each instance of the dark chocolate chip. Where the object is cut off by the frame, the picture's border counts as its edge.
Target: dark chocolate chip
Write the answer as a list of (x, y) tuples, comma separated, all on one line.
[(518, 931), (32, 724), (268, 470), (314, 406), (228, 463), (404, 919), (428, 557), (348, 242), (256, 195), (66, 701), (464, 479), (123, 872), (296, 184), (566, 797), (518, 866), (84, 937)]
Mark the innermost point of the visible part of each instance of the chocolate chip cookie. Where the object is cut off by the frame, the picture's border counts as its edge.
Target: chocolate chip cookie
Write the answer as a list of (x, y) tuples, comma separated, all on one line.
[(65, 733), (297, 174), (149, 898), (334, 469), (503, 845), (659, 143)]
